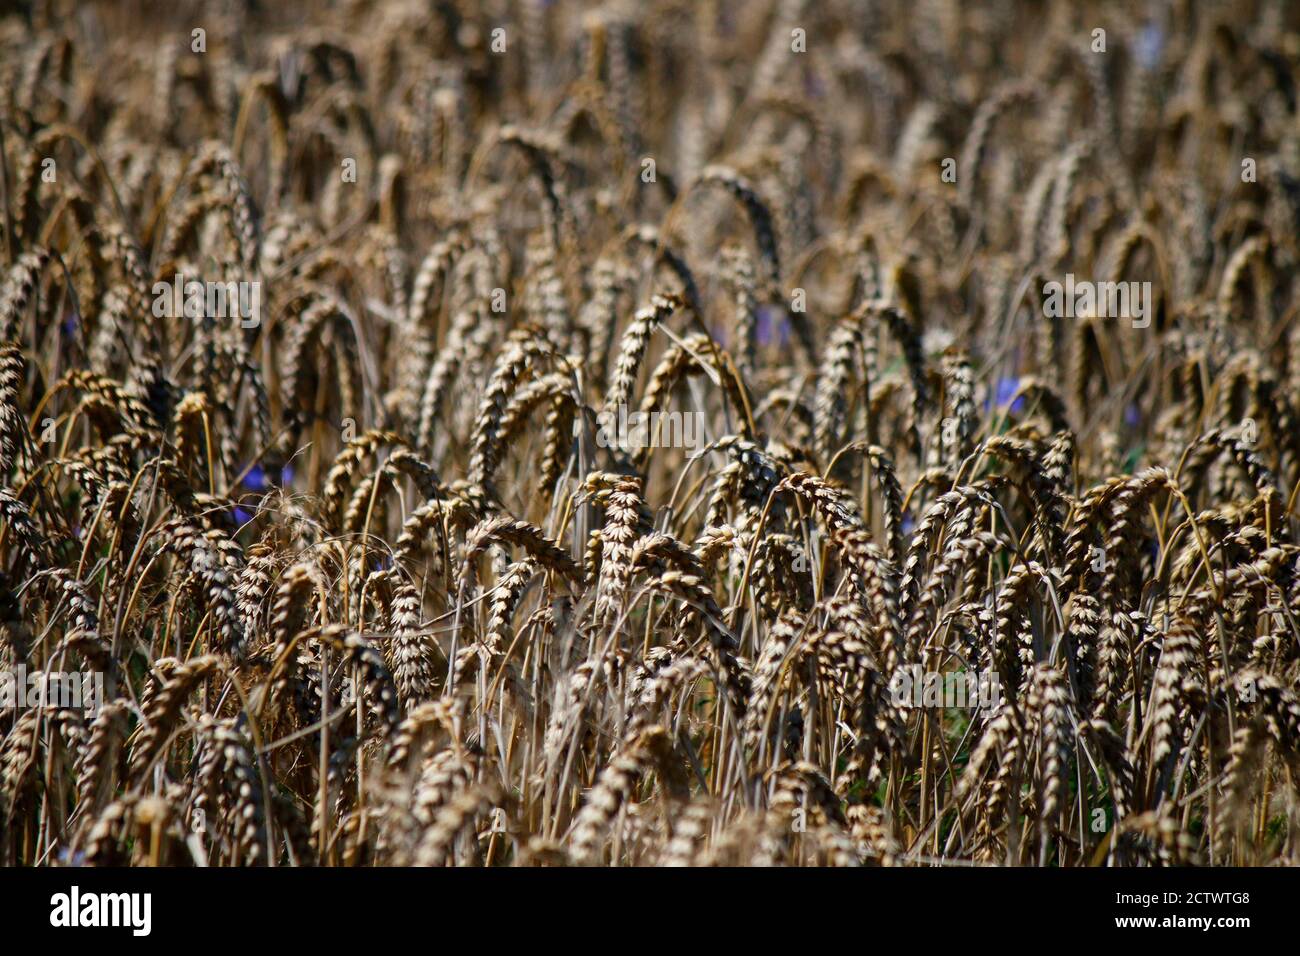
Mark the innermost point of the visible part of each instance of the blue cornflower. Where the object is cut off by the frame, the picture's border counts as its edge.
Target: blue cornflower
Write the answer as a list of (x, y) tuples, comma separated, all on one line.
[(1006, 389)]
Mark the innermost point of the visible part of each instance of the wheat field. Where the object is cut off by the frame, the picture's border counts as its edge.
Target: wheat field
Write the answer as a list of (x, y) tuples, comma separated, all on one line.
[(547, 433)]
